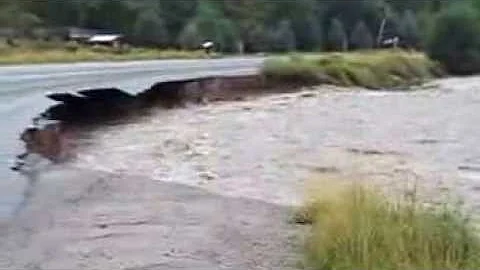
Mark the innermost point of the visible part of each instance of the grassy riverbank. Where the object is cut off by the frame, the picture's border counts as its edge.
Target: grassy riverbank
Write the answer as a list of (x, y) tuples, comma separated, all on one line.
[(354, 227), (370, 69), (64, 53)]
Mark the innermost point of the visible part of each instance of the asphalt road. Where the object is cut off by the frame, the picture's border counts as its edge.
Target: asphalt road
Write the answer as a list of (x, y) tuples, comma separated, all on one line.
[(23, 89)]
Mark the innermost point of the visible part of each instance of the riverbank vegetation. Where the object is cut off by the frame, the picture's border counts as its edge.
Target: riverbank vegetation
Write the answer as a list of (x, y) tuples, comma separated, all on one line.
[(369, 69), (354, 227)]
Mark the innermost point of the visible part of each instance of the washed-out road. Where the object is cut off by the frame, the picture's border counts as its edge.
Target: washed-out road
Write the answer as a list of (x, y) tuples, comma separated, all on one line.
[(23, 89)]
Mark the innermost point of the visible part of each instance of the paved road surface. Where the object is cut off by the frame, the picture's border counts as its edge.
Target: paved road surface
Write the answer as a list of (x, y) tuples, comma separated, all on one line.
[(23, 89)]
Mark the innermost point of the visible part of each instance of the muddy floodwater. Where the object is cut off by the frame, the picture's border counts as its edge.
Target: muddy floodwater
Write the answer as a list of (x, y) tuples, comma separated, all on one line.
[(211, 187)]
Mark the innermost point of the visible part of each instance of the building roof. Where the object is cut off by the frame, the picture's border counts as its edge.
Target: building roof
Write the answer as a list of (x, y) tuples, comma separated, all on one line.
[(104, 38), (76, 32)]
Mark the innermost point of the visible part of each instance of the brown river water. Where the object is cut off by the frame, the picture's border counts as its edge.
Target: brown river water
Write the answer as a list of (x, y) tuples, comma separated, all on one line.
[(212, 186)]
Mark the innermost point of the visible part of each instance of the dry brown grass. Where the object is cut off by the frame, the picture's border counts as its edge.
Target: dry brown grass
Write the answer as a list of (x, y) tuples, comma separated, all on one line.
[(355, 227)]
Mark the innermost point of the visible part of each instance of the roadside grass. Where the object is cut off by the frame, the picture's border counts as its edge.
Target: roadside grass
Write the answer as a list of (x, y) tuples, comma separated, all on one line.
[(49, 52), (370, 69), (354, 227)]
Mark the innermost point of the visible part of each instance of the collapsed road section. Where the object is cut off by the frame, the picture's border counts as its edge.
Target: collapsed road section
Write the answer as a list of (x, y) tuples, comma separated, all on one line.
[(51, 134)]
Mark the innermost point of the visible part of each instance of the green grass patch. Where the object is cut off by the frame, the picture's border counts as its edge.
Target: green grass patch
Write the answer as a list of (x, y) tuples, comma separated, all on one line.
[(369, 69), (354, 227), (51, 52)]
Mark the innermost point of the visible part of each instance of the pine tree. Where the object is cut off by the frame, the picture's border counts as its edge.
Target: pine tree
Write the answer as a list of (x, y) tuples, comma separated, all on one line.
[(283, 37), (409, 31), (361, 38), (308, 33), (189, 37), (337, 38), (149, 29), (455, 40)]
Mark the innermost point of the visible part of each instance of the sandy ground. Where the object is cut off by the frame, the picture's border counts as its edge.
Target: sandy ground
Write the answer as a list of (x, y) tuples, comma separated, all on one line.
[(213, 187)]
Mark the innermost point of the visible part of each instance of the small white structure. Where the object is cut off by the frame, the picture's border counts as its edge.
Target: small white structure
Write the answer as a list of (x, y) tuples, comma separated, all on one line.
[(80, 34), (104, 38), (391, 41), (207, 45), (111, 39)]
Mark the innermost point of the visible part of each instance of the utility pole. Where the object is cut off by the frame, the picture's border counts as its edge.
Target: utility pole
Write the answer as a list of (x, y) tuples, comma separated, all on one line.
[(382, 27)]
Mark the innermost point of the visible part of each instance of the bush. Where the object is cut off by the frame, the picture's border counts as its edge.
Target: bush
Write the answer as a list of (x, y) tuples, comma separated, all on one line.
[(101, 49), (72, 46), (455, 40), (354, 227), (41, 45), (292, 71)]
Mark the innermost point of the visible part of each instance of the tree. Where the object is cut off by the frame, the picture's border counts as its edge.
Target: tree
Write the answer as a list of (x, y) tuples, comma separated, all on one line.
[(249, 18), (308, 33), (304, 20), (175, 14), (110, 15), (455, 39), (413, 5), (210, 23), (361, 38), (337, 38), (248, 24), (350, 12), (190, 38), (12, 15), (149, 29), (283, 38), (408, 29)]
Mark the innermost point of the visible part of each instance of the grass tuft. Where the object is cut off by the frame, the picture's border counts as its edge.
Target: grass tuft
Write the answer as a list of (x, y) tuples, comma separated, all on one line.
[(354, 227), (369, 69)]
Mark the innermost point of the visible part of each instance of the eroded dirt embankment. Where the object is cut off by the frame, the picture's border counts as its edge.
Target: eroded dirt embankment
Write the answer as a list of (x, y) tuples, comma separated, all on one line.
[(51, 133), (210, 187)]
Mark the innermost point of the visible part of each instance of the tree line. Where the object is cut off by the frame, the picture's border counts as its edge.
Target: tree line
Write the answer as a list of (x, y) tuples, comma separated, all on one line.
[(235, 25), (448, 30)]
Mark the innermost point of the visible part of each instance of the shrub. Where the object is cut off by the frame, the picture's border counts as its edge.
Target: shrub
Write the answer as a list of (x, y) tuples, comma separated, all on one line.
[(455, 40), (354, 227), (101, 49), (42, 45), (72, 46), (291, 71)]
